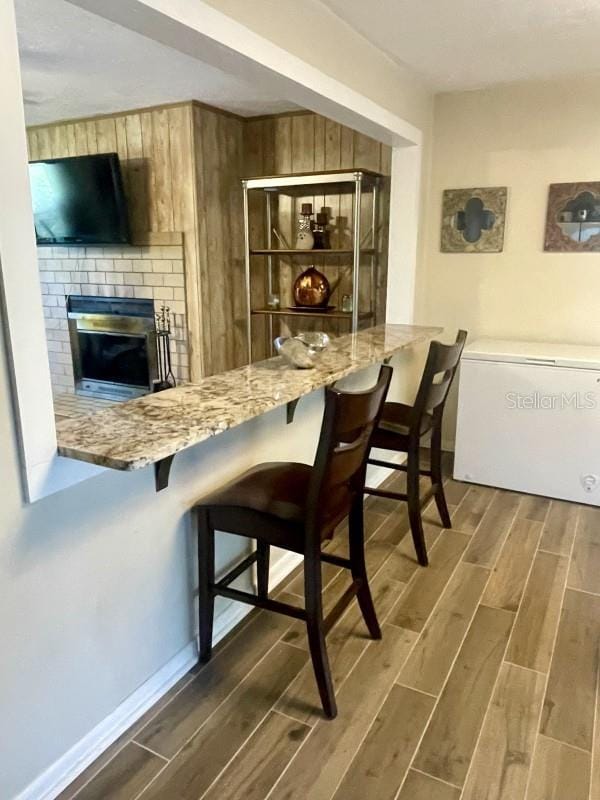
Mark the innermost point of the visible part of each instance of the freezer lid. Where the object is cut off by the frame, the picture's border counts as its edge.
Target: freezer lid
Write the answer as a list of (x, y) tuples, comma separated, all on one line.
[(546, 353)]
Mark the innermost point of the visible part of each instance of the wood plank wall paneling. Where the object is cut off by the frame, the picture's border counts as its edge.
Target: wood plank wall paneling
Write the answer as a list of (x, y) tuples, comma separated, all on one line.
[(218, 147), (306, 142), (169, 163)]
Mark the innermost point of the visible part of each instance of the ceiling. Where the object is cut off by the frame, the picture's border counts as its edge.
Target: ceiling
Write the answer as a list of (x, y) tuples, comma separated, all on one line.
[(469, 44), (75, 64)]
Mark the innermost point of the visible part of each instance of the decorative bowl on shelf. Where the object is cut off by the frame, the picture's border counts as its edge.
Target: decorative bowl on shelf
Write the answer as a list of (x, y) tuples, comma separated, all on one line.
[(316, 341), (300, 351)]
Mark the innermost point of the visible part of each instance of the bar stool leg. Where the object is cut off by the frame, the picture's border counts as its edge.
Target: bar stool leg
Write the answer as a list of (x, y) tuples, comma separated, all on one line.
[(262, 568), (436, 475), (359, 568), (206, 579), (414, 504), (316, 632)]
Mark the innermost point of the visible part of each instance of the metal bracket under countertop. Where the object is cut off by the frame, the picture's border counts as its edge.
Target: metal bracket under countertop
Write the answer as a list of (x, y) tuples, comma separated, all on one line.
[(290, 406), (162, 469), (290, 410)]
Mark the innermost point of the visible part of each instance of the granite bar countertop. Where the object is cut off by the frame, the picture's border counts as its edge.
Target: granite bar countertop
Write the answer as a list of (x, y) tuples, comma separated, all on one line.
[(69, 405), (143, 431)]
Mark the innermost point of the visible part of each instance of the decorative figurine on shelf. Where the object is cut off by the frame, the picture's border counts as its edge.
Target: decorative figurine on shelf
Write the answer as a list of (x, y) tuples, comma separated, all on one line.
[(166, 379), (312, 289), (305, 239), (321, 232)]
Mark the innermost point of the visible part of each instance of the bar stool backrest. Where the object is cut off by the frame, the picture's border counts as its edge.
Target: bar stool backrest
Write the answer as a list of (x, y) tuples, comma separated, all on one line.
[(440, 368), (340, 464)]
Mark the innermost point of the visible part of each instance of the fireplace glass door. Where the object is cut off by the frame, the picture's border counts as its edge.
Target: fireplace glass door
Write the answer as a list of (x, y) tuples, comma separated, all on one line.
[(114, 358)]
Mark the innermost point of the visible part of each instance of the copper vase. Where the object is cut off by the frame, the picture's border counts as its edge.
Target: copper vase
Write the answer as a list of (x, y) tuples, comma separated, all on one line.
[(312, 289)]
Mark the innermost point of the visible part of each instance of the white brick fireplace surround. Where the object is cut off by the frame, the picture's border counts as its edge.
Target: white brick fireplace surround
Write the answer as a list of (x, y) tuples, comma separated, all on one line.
[(152, 268)]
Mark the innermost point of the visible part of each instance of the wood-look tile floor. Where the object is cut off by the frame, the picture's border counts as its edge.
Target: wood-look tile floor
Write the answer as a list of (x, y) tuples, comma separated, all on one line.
[(484, 686)]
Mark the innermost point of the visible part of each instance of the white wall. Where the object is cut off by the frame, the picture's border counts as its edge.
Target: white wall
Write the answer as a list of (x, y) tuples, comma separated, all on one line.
[(524, 136), (311, 31), (98, 580)]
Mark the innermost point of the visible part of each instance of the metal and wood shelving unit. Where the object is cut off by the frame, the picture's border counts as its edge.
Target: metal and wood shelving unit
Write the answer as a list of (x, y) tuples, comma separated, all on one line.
[(356, 182)]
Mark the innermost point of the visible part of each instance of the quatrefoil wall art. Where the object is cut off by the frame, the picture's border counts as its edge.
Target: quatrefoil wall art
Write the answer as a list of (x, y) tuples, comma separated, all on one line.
[(573, 218), (473, 220)]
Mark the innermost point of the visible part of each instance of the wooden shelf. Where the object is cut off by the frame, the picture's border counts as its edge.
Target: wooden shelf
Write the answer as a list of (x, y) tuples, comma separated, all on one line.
[(367, 251), (290, 312)]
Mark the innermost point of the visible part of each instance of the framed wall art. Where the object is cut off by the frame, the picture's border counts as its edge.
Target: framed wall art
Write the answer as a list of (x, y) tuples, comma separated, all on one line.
[(573, 218), (473, 220)]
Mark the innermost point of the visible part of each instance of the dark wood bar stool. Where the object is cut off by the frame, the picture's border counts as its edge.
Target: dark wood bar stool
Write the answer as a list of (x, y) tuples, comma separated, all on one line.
[(297, 507), (402, 428)]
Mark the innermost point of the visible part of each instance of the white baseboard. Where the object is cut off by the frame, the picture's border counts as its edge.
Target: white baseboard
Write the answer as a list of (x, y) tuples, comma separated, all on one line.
[(377, 475), (64, 771), (286, 564), (60, 774)]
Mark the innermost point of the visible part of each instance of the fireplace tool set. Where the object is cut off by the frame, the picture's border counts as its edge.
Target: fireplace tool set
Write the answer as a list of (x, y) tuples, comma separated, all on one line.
[(166, 379)]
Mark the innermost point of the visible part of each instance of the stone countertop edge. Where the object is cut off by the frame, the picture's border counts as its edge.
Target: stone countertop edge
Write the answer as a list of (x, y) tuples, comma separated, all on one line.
[(140, 432)]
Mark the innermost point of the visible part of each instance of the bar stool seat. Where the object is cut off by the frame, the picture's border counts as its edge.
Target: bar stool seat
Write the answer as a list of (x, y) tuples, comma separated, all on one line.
[(395, 420), (277, 488), (272, 498), (297, 507)]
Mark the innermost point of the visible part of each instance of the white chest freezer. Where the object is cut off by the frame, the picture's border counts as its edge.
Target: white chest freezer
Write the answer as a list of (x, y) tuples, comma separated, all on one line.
[(529, 418)]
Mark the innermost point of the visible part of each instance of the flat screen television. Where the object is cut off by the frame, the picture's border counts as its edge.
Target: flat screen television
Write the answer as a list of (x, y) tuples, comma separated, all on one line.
[(79, 200)]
